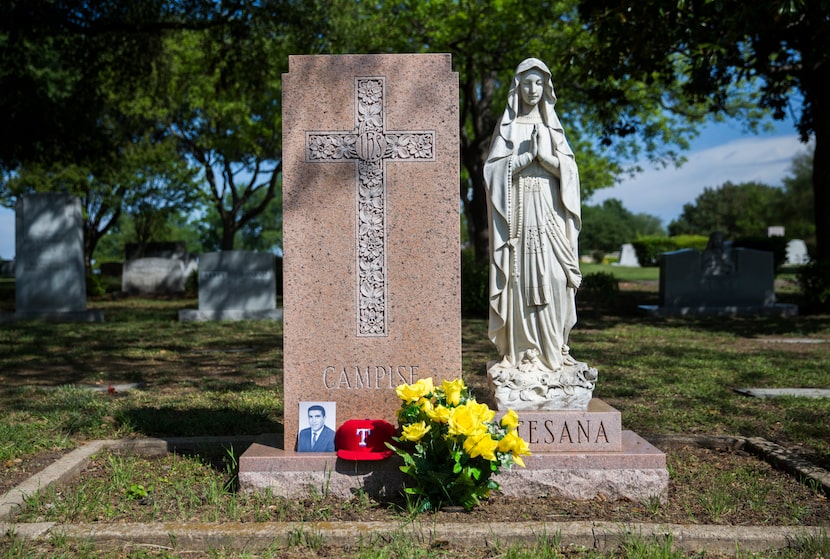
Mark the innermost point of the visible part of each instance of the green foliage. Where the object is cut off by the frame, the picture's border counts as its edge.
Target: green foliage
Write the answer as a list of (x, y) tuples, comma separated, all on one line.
[(608, 226), (451, 445), (736, 210), (730, 58), (798, 213), (649, 248), (191, 284), (814, 281), (474, 285), (697, 242), (95, 286), (599, 288)]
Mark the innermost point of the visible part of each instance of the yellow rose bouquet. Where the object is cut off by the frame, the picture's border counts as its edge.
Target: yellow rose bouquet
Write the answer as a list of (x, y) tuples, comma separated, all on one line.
[(451, 445)]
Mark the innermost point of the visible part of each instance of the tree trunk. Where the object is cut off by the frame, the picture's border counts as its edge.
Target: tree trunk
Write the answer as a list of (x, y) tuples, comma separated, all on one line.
[(475, 205), (228, 231)]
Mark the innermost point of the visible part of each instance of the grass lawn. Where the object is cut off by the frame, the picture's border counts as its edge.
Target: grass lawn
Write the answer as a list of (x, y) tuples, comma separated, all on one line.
[(666, 376), (225, 378)]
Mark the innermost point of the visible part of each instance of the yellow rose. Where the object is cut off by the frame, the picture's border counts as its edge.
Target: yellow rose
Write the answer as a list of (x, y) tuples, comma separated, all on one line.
[(438, 414), (462, 420), (425, 405), (513, 443), (481, 444), (452, 389), (414, 392), (481, 412), (510, 421), (415, 431)]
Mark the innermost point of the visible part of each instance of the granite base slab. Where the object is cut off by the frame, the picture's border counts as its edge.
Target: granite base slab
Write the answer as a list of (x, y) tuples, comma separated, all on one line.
[(637, 472), (780, 310), (195, 315)]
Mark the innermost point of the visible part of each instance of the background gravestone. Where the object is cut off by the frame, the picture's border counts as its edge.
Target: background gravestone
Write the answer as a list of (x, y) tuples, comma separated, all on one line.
[(797, 252), (720, 281), (370, 221), (628, 256), (235, 285), (50, 278), (153, 275)]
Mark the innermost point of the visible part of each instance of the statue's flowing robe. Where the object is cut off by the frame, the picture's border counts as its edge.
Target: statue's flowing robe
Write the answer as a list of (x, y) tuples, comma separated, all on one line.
[(535, 222)]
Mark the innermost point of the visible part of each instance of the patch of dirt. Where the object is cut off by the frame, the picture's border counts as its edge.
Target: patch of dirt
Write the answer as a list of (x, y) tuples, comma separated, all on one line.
[(16, 471)]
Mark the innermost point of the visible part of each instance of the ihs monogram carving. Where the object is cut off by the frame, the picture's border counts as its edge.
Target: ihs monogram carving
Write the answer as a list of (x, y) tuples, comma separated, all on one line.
[(372, 147)]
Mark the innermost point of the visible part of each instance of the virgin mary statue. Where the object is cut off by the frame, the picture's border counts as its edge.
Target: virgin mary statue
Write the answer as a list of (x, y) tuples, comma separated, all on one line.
[(534, 204)]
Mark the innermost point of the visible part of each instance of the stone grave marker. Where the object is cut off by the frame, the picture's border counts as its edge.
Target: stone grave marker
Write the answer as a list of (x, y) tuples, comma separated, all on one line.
[(153, 275), (719, 281), (797, 252), (628, 256), (371, 297), (6, 268), (50, 279), (371, 243), (235, 285)]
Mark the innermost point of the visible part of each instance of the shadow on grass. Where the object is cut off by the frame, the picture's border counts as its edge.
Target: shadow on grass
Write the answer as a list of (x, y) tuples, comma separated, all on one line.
[(192, 422)]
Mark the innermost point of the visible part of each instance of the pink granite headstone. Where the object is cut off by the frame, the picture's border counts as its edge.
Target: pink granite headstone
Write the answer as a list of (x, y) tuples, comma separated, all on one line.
[(371, 238)]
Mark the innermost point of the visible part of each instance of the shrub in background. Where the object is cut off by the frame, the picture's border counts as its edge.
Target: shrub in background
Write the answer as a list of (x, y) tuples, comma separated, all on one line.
[(814, 280), (599, 288), (474, 285), (649, 248), (191, 284)]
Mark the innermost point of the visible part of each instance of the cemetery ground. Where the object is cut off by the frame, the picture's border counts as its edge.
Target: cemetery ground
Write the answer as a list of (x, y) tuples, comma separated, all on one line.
[(144, 374)]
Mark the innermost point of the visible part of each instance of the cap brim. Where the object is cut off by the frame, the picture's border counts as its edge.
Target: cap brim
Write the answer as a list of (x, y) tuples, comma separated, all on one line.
[(363, 455)]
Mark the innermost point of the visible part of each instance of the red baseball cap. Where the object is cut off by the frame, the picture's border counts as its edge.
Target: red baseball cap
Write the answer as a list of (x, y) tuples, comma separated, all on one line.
[(364, 439)]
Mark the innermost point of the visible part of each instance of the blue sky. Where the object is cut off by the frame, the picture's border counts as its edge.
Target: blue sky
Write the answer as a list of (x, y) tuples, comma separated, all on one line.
[(723, 152)]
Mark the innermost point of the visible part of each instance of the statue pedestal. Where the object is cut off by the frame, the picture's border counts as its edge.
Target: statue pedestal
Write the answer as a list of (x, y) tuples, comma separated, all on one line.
[(527, 388)]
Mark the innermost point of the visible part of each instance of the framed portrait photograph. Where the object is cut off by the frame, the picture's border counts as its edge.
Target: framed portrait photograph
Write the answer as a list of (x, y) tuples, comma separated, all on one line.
[(317, 424)]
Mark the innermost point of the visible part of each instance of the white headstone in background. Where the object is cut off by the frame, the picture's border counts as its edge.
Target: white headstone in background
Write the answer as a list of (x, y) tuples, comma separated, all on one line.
[(775, 231), (628, 256), (797, 252), (236, 285), (50, 278)]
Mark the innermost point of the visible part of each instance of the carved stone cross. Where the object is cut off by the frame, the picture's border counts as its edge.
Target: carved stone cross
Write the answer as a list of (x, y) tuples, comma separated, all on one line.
[(371, 146)]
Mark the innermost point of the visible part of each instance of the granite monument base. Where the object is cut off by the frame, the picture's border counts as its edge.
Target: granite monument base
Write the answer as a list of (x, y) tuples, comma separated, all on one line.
[(778, 309), (604, 462), (196, 315)]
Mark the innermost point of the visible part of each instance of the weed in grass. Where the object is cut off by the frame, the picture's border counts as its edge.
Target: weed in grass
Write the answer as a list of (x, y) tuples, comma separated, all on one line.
[(231, 470), (635, 546), (717, 503), (813, 546), (305, 538), (653, 504), (798, 509)]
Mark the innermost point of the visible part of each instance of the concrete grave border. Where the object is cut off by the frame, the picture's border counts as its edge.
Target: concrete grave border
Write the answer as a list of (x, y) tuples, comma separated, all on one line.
[(257, 536)]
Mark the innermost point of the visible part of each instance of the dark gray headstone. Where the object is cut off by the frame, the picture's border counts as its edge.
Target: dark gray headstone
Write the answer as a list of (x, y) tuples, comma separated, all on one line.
[(235, 285), (50, 279)]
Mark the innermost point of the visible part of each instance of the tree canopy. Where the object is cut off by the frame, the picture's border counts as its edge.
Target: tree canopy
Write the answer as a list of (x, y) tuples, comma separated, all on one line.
[(723, 54), (607, 226), (85, 83), (747, 209)]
